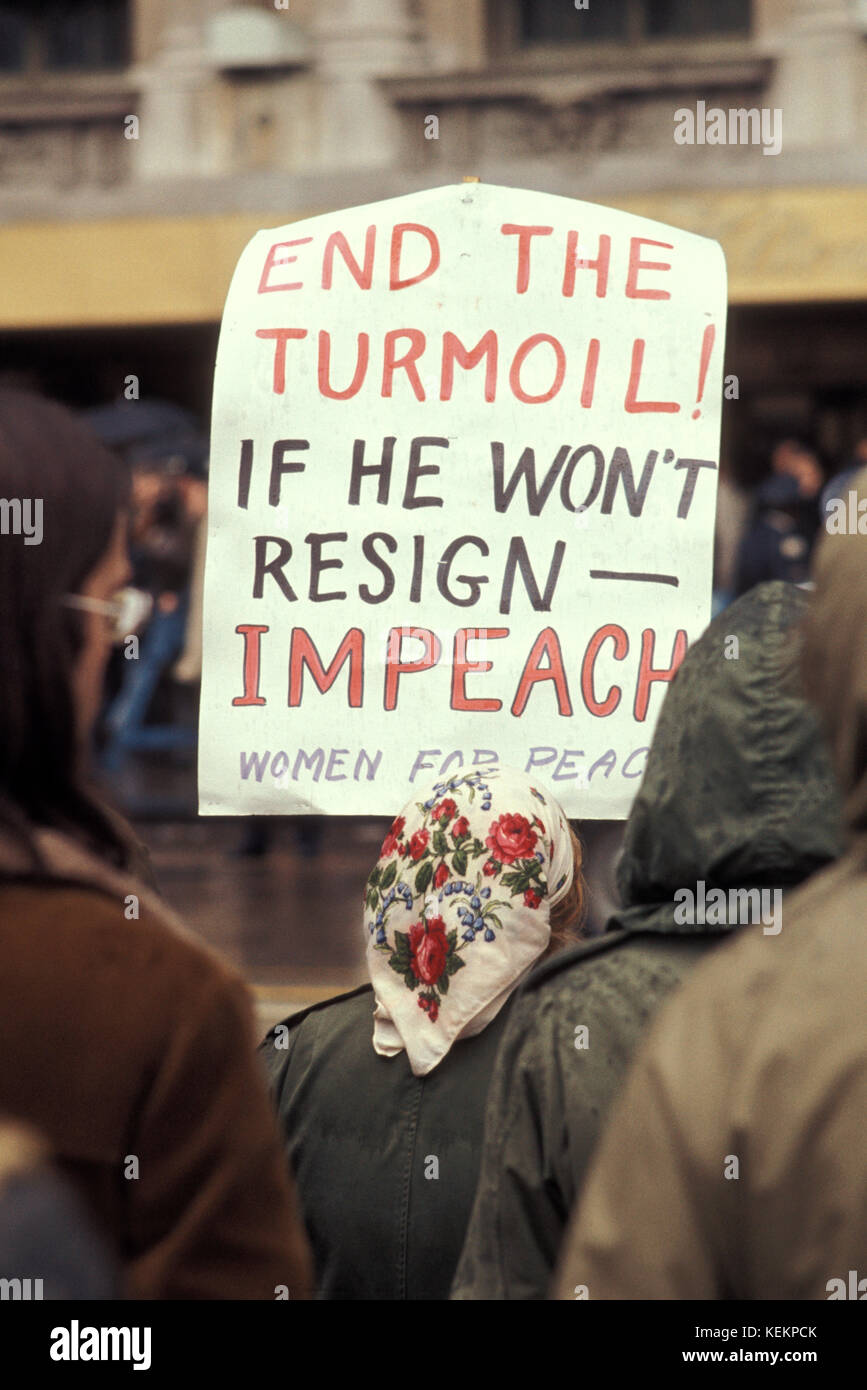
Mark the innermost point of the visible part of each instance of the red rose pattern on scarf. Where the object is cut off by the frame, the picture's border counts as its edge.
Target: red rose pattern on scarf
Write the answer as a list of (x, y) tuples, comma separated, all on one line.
[(441, 854)]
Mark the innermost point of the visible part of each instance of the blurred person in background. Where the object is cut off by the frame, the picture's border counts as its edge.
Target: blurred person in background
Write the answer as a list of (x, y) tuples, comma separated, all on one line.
[(169, 503), (48, 1247), (779, 539), (126, 1043), (838, 488), (381, 1092), (734, 1165), (738, 793)]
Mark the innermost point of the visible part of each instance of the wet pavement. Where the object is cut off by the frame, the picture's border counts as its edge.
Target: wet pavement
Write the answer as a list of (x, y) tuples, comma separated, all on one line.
[(284, 917), (289, 916)]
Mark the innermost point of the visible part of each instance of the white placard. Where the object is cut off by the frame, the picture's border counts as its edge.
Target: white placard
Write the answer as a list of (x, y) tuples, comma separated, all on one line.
[(462, 495)]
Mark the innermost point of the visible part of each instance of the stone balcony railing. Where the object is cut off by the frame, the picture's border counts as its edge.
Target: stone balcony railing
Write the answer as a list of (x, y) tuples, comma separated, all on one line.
[(596, 112), (64, 134)]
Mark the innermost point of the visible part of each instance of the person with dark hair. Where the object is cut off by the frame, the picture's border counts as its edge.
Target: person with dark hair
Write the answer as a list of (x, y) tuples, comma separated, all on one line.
[(780, 536), (381, 1092), (737, 804), (734, 1165), (125, 1043)]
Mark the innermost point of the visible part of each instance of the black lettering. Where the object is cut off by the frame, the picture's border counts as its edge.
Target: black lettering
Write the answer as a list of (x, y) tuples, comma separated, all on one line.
[(518, 558), (621, 467), (369, 553), (244, 472), (273, 567), (316, 540), (279, 466), (362, 470), (526, 469), (417, 564), (693, 467), (598, 475), (416, 470), (474, 582)]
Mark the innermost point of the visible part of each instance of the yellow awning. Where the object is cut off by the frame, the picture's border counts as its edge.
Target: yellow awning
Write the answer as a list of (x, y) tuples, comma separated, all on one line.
[(782, 245)]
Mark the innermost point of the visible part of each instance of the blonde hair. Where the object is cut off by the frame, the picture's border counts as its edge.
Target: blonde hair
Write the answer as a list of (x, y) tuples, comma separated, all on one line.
[(569, 915)]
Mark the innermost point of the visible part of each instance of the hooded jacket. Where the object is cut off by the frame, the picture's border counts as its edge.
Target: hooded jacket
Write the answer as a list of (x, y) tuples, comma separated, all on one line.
[(738, 794), (757, 1070)]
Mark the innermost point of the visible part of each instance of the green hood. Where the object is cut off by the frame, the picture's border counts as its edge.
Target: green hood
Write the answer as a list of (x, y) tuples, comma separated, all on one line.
[(738, 791)]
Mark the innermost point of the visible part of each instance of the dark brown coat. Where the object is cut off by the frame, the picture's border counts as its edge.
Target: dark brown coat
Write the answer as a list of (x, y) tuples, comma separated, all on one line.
[(125, 1040)]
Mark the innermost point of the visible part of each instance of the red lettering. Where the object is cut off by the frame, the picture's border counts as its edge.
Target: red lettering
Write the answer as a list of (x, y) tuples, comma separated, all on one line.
[(390, 363), (252, 634), (303, 653), (524, 235), (621, 647), (631, 403), (337, 242), (395, 668), (589, 384), (574, 262), (518, 361), (281, 337), (636, 264), (397, 235), (361, 359), (460, 667), (547, 643), (271, 260), (647, 675), (454, 351)]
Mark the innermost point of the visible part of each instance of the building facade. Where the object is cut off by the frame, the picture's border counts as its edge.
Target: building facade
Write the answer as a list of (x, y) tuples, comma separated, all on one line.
[(143, 141)]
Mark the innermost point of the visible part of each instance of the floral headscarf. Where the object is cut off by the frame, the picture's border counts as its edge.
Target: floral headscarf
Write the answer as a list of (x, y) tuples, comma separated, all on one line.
[(457, 908)]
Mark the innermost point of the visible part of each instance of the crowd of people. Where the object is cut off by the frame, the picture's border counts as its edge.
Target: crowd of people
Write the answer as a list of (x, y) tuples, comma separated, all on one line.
[(771, 533), (510, 1108)]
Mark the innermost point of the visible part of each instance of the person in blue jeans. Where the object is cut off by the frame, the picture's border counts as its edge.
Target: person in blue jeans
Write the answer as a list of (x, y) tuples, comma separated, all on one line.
[(162, 444), (125, 725), (167, 509)]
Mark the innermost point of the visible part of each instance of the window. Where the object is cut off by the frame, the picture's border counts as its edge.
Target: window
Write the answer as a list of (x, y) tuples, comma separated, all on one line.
[(669, 19), (65, 36), (630, 21), (557, 21)]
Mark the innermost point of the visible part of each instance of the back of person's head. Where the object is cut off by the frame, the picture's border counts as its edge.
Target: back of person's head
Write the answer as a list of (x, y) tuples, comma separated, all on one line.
[(835, 651), (479, 877), (793, 458), (53, 468), (738, 791)]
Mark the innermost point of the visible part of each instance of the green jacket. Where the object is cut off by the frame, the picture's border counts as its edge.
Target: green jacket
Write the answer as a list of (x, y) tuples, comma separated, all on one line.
[(738, 793), (385, 1162), (757, 1069)]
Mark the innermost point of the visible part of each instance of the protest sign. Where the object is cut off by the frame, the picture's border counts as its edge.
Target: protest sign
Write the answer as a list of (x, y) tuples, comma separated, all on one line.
[(462, 494)]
